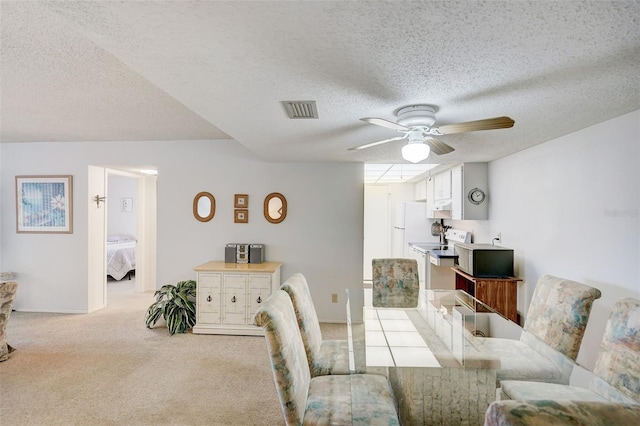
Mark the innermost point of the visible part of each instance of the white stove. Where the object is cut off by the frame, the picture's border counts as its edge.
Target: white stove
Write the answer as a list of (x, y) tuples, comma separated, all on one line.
[(435, 259), (439, 272), (457, 236)]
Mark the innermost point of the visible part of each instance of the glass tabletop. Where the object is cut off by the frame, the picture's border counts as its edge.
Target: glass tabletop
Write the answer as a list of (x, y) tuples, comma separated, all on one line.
[(433, 355), (441, 331)]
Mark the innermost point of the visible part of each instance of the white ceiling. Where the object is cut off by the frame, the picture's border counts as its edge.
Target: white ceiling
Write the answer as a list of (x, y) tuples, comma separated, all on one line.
[(395, 173), (141, 70)]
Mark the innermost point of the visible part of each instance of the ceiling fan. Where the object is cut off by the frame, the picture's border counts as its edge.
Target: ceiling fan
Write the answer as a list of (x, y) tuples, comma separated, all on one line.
[(416, 122)]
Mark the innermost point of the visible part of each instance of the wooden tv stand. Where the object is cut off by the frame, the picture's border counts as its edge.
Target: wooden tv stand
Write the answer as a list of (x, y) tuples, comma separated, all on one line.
[(499, 293)]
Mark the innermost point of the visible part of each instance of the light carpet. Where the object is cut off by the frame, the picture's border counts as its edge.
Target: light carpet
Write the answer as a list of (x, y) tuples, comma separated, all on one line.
[(107, 368)]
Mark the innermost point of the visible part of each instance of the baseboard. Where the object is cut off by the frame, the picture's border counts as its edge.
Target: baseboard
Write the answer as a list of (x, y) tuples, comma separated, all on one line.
[(48, 311)]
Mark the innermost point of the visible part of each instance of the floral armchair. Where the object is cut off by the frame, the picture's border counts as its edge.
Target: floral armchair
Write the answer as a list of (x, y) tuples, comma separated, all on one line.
[(325, 356), (616, 372), (560, 413), (357, 399), (8, 291), (395, 283), (551, 335)]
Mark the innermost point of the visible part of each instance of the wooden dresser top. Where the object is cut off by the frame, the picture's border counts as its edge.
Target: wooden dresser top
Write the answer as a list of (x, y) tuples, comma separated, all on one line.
[(220, 266)]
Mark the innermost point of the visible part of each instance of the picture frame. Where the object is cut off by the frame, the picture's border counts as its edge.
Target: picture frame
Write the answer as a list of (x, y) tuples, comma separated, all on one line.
[(126, 204), (241, 216), (44, 204), (241, 201)]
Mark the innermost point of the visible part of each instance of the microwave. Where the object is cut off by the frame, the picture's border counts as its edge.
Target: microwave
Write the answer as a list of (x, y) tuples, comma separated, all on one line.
[(484, 260)]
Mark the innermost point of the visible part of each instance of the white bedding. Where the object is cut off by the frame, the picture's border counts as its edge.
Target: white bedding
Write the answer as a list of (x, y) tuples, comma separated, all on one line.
[(121, 258)]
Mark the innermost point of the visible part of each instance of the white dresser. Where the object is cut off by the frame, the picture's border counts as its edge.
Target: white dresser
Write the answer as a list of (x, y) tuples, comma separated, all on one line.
[(229, 294)]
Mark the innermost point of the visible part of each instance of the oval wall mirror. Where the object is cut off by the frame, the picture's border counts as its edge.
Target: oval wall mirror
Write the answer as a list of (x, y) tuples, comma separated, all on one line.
[(204, 206), (275, 207)]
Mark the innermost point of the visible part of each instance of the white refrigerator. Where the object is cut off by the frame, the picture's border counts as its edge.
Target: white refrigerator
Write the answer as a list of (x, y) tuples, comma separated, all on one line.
[(409, 226)]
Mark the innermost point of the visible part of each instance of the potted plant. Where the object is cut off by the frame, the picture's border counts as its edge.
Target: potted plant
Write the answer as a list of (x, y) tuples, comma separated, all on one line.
[(176, 304)]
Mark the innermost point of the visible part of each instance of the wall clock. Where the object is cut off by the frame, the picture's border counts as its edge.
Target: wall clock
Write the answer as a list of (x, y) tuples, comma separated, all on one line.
[(476, 196)]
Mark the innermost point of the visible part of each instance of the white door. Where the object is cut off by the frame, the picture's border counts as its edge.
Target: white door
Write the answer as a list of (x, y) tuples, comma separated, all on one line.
[(97, 225), (146, 234), (376, 226)]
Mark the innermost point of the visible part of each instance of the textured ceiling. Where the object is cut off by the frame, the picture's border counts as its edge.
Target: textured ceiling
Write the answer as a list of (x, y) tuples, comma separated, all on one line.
[(87, 71)]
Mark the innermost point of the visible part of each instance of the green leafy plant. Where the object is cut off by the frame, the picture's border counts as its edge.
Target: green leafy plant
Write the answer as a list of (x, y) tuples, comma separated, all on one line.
[(176, 304)]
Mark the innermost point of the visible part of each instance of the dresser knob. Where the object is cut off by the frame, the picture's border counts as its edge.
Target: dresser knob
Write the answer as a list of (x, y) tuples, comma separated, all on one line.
[(233, 299), (209, 298), (259, 299)]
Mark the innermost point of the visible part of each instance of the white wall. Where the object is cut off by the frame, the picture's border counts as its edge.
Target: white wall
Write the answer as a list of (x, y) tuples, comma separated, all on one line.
[(121, 222), (321, 236), (571, 208), (568, 207)]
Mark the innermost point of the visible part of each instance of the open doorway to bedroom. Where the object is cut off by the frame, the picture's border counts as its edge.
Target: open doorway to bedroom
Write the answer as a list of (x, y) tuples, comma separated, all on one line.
[(130, 230), (132, 203), (121, 232)]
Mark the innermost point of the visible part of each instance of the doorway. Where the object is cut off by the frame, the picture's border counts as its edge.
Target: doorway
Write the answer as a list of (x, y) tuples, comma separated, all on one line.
[(132, 204), (376, 218), (121, 231)]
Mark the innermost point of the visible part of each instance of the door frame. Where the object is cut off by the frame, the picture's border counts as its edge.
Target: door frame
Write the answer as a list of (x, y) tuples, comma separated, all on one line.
[(146, 235)]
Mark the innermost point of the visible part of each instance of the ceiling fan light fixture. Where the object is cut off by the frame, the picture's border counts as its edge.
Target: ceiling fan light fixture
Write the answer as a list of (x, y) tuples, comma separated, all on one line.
[(415, 152)]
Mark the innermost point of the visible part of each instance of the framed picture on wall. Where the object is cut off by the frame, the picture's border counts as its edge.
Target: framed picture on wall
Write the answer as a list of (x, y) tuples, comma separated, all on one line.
[(241, 201), (44, 204), (241, 216)]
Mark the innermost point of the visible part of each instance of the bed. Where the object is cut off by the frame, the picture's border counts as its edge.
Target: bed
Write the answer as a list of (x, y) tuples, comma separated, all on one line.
[(121, 256)]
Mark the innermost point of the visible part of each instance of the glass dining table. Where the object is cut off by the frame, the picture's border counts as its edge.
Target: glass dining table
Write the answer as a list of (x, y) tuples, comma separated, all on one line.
[(438, 370)]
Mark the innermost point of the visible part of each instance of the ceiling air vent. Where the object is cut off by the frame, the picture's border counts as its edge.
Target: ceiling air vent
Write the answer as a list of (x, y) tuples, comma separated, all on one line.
[(301, 109)]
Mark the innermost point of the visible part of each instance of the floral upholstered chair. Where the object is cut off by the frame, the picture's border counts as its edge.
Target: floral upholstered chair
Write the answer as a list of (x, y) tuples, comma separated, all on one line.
[(325, 356), (616, 372), (8, 291), (560, 413), (395, 283), (357, 399), (551, 336)]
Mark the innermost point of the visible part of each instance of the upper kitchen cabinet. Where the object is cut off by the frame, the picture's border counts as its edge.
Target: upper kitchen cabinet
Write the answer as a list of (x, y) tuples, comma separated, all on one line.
[(439, 195), (442, 185), (469, 189), (421, 190)]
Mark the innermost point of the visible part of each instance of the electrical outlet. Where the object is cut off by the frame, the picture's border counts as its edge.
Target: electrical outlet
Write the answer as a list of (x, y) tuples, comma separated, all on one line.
[(334, 297), (497, 239)]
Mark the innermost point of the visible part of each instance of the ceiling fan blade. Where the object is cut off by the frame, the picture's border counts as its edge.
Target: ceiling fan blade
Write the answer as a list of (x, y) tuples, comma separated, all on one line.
[(369, 145), (438, 147), (385, 123), (472, 126)]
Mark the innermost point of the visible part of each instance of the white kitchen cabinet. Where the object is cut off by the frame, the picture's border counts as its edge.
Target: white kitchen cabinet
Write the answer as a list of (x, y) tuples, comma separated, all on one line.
[(431, 194), (442, 185), (421, 258), (467, 178), (439, 195), (421, 190), (229, 294)]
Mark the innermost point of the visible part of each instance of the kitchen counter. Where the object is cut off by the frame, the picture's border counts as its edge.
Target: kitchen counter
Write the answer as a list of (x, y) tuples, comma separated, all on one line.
[(444, 254), (435, 249), (434, 264), (426, 247)]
